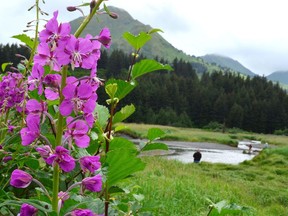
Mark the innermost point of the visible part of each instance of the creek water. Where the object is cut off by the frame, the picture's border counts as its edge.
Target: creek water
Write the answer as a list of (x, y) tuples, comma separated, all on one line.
[(210, 155), (211, 152)]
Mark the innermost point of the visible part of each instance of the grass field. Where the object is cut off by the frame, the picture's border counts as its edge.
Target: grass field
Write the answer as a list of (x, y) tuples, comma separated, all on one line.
[(173, 188), (200, 135)]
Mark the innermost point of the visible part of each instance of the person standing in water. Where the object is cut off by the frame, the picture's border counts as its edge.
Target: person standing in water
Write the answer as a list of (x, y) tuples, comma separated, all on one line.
[(197, 156)]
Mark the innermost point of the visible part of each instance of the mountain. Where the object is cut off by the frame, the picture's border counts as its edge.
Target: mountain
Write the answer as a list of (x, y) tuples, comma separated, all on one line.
[(156, 47), (227, 62), (279, 76)]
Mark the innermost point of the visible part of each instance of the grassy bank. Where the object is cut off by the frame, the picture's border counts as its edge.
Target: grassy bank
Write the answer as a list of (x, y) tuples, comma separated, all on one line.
[(174, 188), (199, 135)]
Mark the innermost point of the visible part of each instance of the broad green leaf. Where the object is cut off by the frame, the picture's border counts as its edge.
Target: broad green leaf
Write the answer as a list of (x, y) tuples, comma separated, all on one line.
[(154, 31), (123, 88), (155, 133), (122, 143), (103, 115), (124, 113), (121, 164), (138, 41), (32, 163), (155, 146), (25, 39), (147, 66), (4, 65)]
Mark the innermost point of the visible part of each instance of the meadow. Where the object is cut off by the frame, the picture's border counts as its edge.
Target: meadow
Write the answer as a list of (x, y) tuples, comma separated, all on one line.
[(173, 188)]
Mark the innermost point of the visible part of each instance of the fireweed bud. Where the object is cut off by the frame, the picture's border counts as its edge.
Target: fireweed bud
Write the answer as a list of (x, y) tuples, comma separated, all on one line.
[(20, 179), (28, 210), (93, 184), (113, 15), (7, 158), (92, 5), (71, 8)]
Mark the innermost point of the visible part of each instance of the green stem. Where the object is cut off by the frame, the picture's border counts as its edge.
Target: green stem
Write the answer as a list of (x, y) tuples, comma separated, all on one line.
[(60, 122), (58, 142), (35, 38), (88, 19)]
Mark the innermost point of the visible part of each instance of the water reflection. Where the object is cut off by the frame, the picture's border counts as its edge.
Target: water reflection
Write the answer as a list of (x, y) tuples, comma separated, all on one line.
[(210, 155)]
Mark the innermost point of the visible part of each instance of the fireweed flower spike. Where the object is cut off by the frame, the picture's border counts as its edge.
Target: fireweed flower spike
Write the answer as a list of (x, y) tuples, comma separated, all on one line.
[(93, 184), (91, 163), (28, 210), (32, 131), (20, 179), (62, 157)]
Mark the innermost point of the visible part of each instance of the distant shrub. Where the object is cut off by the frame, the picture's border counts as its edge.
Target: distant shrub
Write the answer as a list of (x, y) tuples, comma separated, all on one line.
[(281, 132), (214, 126)]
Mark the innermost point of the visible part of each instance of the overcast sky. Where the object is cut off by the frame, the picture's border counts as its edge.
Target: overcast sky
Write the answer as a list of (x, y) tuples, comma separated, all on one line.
[(254, 32)]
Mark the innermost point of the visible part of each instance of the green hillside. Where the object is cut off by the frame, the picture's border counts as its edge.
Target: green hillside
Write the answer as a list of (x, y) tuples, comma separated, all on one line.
[(227, 62), (279, 76)]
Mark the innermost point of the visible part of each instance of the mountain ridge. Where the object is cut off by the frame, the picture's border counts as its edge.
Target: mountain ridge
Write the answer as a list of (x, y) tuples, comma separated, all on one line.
[(157, 46)]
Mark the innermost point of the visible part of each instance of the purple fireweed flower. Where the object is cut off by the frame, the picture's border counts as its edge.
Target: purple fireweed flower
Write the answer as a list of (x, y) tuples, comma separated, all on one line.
[(55, 33), (91, 163), (79, 50), (82, 212), (90, 119), (32, 131), (104, 37), (28, 210), (77, 132), (93, 184), (62, 157), (78, 98), (36, 78), (55, 59), (20, 179), (44, 151), (36, 107)]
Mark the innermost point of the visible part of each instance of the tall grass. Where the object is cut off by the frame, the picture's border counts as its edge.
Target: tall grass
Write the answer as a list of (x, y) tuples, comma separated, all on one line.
[(182, 189)]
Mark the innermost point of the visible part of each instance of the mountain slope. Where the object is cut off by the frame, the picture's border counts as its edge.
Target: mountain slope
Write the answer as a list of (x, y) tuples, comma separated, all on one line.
[(157, 46), (279, 76), (227, 62)]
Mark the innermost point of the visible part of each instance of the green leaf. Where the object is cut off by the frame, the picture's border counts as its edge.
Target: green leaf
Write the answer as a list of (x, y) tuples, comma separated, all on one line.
[(122, 143), (32, 163), (111, 89), (138, 41), (25, 39), (103, 115), (154, 31), (147, 66), (155, 133), (123, 88), (40, 205), (4, 65), (121, 164), (155, 146), (124, 113)]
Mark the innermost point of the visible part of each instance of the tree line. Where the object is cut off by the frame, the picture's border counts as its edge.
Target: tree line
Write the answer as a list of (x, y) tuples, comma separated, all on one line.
[(186, 99)]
